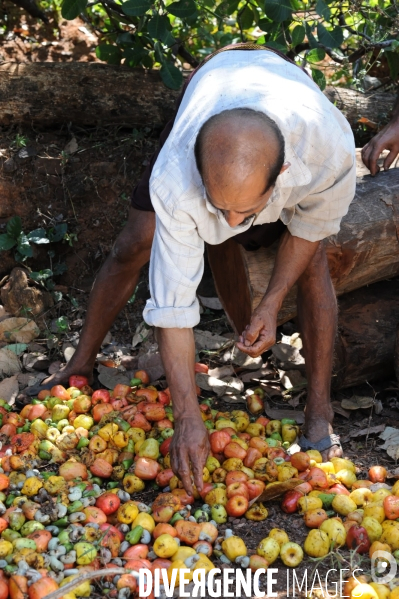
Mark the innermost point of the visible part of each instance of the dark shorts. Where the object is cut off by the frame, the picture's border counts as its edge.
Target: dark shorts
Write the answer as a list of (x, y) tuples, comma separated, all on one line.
[(256, 236)]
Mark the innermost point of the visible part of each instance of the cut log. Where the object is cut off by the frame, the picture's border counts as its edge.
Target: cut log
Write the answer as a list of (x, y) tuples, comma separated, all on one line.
[(365, 346), (48, 94), (365, 250), (375, 106)]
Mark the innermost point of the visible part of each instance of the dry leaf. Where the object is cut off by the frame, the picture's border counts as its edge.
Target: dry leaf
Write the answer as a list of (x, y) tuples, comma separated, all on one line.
[(221, 371), (391, 437), (141, 334), (109, 377), (240, 359), (9, 363), (209, 383), (357, 402), (234, 384), (71, 147), (9, 389), (294, 340), (292, 378), (275, 490), (284, 352), (276, 414), (373, 430), (258, 374), (18, 330), (207, 340), (233, 398), (152, 363), (338, 409)]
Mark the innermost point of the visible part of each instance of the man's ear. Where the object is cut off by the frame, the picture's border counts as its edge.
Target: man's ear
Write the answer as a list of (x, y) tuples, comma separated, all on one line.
[(284, 167)]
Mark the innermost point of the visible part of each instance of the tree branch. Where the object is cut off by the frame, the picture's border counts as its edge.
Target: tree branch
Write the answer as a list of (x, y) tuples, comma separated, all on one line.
[(31, 8)]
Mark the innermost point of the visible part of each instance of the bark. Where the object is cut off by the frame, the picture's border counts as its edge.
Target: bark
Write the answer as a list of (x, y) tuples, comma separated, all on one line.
[(49, 94), (366, 340), (375, 106), (365, 250)]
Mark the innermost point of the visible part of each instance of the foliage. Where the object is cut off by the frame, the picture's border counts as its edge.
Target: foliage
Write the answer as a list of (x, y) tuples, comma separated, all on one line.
[(351, 34), (24, 244)]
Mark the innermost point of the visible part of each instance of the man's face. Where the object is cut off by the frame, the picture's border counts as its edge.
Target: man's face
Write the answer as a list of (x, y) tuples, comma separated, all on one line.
[(238, 197)]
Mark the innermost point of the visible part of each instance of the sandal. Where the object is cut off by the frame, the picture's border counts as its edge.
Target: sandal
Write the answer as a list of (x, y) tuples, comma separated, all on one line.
[(322, 445)]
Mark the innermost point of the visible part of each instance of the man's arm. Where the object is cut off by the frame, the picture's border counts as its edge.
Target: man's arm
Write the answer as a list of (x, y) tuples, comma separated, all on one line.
[(293, 256), (386, 139), (190, 443)]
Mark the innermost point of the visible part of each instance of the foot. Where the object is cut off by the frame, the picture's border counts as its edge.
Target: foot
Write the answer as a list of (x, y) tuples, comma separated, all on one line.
[(317, 426)]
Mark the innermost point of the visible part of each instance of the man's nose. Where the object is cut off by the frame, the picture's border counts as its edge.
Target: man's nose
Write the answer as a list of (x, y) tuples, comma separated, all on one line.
[(233, 218)]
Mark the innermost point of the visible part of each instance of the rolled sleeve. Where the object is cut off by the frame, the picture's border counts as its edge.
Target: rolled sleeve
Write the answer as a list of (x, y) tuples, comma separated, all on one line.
[(319, 215), (176, 268)]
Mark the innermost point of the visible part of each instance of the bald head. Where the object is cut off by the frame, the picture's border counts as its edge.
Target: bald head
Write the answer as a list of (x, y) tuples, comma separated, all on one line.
[(235, 145)]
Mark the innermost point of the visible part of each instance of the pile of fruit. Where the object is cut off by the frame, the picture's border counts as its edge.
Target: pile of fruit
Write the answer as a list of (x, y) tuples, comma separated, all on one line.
[(74, 462)]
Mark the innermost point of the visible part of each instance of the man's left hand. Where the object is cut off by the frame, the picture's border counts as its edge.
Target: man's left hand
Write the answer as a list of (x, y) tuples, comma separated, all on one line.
[(260, 334)]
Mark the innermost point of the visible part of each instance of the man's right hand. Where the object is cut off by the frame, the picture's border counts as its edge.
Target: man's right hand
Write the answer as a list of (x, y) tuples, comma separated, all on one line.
[(190, 446), (386, 139)]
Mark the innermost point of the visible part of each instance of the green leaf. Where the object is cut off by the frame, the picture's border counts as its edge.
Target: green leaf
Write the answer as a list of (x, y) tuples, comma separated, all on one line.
[(318, 77), (60, 268), (72, 8), (171, 76), (331, 39), (277, 46), (136, 8), (298, 35), (323, 10), (393, 63), (134, 56), (182, 9), (168, 39), (14, 227), (278, 10), (38, 236), (57, 233), (311, 38), (111, 55), (158, 26), (62, 324), (17, 348), (315, 55), (24, 247), (158, 53), (41, 275), (246, 18), (6, 242)]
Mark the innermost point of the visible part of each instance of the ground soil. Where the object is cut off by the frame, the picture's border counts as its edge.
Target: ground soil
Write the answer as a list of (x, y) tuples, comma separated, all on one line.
[(90, 190)]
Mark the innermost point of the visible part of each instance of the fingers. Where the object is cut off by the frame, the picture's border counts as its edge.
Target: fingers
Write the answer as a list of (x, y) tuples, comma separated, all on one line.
[(374, 156), (370, 154), (254, 350), (251, 333), (198, 468), (181, 467), (390, 158)]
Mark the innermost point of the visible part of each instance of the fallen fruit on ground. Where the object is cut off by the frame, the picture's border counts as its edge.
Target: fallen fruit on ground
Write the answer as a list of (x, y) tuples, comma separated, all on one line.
[(75, 464)]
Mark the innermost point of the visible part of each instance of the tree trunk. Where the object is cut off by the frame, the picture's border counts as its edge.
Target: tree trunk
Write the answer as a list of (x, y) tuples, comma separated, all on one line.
[(366, 340), (365, 250), (49, 93), (375, 106)]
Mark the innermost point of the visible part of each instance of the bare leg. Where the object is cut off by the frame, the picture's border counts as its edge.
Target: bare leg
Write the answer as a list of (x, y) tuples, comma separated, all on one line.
[(113, 286), (317, 312)]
